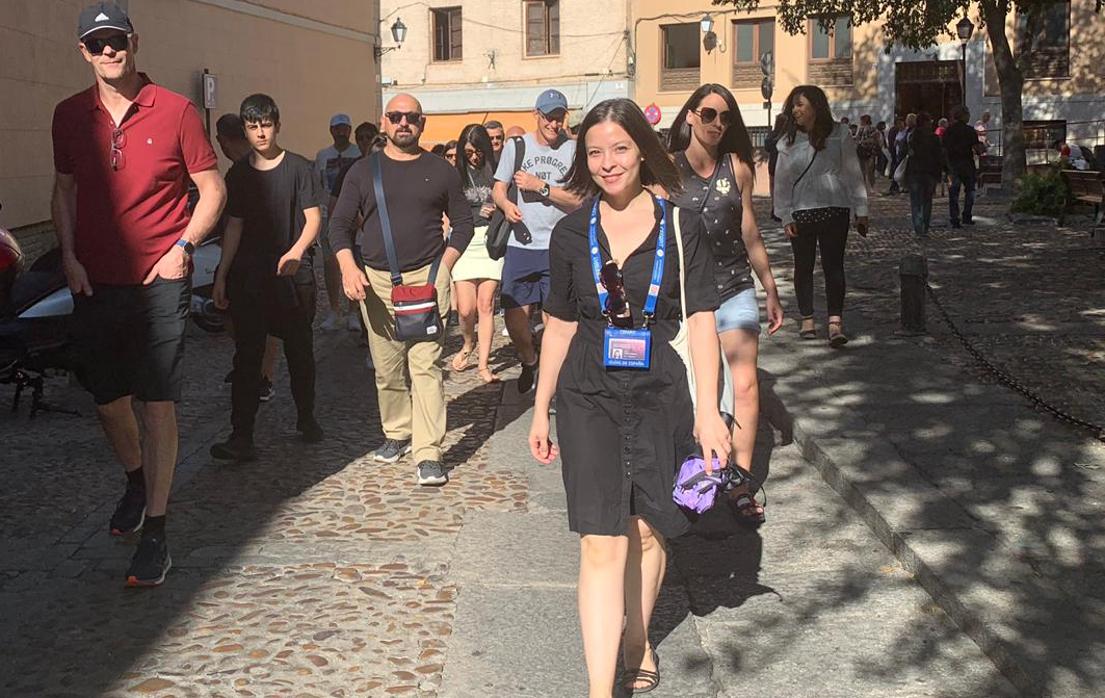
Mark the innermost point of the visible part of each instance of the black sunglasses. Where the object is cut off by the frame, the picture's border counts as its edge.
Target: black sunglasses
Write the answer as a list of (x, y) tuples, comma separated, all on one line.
[(617, 305), (413, 117), (117, 42), (708, 115)]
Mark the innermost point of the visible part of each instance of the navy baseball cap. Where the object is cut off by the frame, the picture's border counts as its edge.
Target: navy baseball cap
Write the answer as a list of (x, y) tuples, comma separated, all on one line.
[(551, 100), (103, 15)]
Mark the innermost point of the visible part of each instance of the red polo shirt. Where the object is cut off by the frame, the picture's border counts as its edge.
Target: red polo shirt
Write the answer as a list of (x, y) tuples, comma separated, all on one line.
[(129, 217)]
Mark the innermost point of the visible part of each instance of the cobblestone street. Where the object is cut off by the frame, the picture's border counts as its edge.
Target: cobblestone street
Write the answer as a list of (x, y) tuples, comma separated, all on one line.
[(312, 567), (316, 572)]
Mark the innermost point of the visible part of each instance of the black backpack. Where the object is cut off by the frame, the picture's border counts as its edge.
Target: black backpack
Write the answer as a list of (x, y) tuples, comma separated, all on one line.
[(500, 229)]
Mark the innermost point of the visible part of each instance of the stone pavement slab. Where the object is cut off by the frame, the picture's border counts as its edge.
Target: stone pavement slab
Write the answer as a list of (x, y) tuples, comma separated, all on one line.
[(996, 508), (812, 605)]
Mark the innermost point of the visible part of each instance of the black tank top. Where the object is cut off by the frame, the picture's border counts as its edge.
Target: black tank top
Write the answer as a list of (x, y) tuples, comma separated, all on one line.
[(721, 209)]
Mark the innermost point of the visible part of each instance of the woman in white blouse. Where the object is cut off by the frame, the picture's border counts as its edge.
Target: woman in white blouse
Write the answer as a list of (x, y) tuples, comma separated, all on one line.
[(818, 188)]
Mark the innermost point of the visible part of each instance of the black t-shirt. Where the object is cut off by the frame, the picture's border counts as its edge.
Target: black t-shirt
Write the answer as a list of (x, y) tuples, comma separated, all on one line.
[(271, 205), (418, 191), (960, 144)]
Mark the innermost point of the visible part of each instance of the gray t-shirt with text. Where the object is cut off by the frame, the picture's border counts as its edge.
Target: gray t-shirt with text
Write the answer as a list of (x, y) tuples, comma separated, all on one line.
[(551, 165)]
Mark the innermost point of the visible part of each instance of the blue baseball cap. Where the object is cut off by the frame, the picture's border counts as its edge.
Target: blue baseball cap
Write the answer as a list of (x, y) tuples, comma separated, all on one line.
[(551, 100), (340, 120)]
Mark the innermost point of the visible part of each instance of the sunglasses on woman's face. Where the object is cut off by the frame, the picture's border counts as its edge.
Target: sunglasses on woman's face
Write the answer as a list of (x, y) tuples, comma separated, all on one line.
[(617, 305), (707, 115), (117, 42), (451, 155)]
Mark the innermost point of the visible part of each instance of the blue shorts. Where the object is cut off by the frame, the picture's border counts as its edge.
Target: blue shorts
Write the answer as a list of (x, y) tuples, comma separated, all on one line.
[(741, 312), (525, 277)]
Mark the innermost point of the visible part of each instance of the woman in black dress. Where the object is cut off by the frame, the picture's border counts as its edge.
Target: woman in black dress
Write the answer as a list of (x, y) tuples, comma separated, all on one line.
[(624, 431)]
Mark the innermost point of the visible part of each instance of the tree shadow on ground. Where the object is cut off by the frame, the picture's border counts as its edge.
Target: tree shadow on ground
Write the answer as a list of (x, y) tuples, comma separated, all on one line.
[(70, 628)]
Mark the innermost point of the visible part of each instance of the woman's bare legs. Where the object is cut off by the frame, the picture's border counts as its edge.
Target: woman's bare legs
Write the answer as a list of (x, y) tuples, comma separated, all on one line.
[(644, 575), (602, 571), (465, 296), (485, 304), (742, 349)]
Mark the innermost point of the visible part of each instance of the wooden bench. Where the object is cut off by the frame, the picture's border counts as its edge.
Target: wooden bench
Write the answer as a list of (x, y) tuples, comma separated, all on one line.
[(1085, 187)]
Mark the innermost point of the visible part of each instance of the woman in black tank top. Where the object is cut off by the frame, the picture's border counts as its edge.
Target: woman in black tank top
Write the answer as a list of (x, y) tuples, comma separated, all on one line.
[(714, 155)]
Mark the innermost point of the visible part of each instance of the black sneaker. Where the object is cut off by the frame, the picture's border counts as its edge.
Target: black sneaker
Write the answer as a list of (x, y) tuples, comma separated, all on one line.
[(238, 449), (955, 224), (150, 563), (525, 378), (267, 391), (130, 513), (432, 473), (391, 451), (968, 221), (310, 430)]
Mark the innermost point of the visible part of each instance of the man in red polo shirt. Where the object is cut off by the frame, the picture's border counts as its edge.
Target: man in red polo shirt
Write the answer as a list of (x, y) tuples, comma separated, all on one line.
[(124, 151)]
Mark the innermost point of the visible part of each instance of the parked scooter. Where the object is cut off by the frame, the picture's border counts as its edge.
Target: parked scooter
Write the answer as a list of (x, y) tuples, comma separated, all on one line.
[(36, 305)]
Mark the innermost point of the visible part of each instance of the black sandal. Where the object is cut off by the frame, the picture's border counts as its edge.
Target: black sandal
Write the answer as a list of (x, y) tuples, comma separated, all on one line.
[(746, 510), (629, 678)]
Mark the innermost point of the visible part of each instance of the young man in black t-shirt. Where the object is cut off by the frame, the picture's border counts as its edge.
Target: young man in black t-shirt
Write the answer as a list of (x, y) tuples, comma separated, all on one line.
[(265, 276)]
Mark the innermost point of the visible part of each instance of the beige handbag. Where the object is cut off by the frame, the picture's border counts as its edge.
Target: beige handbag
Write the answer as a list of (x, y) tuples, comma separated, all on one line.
[(681, 342)]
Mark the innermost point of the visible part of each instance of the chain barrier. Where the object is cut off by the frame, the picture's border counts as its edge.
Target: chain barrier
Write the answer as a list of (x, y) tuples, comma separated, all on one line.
[(1005, 379)]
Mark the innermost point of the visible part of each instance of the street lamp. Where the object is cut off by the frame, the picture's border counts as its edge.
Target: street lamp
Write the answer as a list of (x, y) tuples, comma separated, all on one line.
[(398, 33), (709, 38), (964, 28)]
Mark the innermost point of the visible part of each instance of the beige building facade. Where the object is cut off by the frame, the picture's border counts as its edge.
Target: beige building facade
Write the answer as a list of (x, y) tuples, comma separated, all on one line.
[(314, 58), (671, 55), (470, 61)]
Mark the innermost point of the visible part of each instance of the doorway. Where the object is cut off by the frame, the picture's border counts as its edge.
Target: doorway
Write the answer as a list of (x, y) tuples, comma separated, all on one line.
[(931, 86)]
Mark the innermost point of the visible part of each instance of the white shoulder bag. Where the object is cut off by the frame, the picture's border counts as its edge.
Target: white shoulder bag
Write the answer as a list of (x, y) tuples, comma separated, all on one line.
[(681, 342)]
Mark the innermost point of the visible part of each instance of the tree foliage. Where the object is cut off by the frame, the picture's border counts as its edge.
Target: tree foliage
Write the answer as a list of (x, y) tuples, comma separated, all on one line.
[(916, 24)]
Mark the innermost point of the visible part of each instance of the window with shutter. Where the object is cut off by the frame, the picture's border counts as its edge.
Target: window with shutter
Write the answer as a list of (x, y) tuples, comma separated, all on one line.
[(1044, 41), (542, 18), (447, 33)]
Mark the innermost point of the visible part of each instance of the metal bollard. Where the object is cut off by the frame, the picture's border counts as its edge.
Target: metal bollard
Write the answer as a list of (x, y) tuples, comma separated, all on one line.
[(913, 271)]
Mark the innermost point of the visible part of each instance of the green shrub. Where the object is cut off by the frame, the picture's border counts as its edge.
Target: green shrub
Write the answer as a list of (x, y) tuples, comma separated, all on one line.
[(1041, 194)]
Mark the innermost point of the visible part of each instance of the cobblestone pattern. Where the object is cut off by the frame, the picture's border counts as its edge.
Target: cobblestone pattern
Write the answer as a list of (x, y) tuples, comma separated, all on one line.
[(1027, 294), (313, 571)]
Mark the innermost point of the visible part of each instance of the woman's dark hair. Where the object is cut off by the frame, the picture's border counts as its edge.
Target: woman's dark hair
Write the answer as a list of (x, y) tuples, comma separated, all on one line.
[(735, 140), (258, 108), (822, 120), (438, 150), (656, 166), (476, 136), (448, 145)]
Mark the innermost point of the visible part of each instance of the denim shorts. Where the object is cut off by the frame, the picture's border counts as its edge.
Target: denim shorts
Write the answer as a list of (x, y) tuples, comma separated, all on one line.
[(741, 312)]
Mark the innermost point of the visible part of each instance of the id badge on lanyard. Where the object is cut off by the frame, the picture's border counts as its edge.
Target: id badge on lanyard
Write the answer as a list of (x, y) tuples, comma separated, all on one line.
[(623, 348)]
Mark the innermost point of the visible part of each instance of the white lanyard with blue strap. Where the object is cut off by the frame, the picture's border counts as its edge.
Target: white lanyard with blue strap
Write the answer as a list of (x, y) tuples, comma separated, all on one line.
[(624, 348)]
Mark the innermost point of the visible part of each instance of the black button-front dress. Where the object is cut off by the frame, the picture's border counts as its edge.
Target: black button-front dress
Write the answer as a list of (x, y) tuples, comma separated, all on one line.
[(624, 432)]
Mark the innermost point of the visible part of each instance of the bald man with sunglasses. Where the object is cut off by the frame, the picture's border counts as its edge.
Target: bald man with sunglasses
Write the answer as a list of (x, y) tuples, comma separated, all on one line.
[(418, 188)]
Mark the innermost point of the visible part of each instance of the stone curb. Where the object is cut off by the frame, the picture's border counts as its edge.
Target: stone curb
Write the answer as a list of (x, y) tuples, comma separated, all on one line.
[(832, 468)]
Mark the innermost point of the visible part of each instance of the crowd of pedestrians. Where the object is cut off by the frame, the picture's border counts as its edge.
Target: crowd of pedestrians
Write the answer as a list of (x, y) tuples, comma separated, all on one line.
[(628, 285)]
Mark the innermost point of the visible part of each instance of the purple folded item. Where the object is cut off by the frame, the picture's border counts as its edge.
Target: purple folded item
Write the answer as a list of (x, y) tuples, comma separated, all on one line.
[(694, 489)]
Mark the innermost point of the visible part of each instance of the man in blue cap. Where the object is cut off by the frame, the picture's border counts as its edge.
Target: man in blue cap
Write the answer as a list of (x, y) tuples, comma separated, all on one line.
[(529, 191)]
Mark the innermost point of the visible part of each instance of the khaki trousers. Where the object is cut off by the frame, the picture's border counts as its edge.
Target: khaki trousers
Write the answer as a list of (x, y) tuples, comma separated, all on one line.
[(409, 378)]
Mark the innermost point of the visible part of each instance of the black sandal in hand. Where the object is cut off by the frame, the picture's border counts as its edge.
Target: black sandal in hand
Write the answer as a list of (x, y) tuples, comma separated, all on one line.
[(631, 677)]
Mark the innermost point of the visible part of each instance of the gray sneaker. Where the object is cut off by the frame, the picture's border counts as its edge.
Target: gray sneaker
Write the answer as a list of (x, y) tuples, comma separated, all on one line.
[(431, 472), (391, 451)]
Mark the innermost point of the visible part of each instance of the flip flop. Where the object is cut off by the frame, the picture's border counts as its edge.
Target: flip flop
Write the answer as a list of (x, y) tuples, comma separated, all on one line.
[(460, 360)]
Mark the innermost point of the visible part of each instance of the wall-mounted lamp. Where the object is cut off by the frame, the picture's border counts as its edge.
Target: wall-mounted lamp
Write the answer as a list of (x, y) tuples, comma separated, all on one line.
[(709, 38), (398, 34)]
